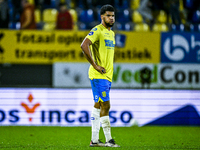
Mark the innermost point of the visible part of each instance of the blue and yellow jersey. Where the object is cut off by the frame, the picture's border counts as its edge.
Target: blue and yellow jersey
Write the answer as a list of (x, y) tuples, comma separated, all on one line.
[(102, 48)]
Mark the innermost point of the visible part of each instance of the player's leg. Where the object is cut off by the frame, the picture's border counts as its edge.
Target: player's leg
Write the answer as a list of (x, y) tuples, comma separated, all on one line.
[(105, 121), (104, 112), (95, 119)]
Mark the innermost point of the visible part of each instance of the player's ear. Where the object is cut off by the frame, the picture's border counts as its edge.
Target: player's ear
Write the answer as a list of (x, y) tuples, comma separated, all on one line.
[(101, 17)]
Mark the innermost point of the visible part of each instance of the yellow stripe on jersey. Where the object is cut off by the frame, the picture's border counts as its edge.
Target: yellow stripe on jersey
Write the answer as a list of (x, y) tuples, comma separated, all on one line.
[(102, 48)]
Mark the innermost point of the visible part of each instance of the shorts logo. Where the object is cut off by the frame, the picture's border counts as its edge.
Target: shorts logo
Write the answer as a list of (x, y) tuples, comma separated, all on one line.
[(96, 97), (92, 118), (104, 94)]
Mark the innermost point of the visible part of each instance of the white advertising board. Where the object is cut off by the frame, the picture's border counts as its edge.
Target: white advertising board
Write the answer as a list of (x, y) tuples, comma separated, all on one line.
[(131, 75), (72, 107), (70, 75)]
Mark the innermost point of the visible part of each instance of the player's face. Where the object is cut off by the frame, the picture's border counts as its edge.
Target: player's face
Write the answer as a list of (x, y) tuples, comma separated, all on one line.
[(109, 18)]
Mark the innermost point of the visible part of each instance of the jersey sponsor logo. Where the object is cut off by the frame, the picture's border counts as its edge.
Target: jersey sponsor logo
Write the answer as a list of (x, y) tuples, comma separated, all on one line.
[(91, 33), (109, 43)]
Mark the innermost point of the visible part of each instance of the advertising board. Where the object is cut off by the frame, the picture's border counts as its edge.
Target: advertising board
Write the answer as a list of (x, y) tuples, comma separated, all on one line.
[(131, 75), (43, 47), (141, 47), (72, 107), (180, 47)]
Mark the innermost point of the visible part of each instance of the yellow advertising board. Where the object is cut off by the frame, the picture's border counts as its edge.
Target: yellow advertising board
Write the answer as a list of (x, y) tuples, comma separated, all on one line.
[(43, 47), (137, 47)]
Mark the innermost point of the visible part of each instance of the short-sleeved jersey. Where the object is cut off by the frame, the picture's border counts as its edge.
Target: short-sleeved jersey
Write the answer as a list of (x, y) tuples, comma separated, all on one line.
[(102, 48)]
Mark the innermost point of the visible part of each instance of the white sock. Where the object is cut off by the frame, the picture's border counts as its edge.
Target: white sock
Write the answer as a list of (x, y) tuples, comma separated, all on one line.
[(106, 127), (95, 119)]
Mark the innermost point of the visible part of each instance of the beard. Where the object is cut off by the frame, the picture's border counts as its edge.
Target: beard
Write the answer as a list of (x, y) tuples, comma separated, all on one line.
[(108, 24)]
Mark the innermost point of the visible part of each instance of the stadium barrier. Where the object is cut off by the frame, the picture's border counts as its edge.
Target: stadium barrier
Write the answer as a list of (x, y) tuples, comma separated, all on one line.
[(142, 60), (129, 75), (72, 107), (42, 47)]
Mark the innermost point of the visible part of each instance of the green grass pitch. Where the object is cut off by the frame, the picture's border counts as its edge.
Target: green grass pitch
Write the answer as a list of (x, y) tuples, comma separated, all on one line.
[(129, 138)]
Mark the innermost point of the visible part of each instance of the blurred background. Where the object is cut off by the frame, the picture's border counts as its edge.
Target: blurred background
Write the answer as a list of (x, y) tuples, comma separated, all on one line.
[(131, 15)]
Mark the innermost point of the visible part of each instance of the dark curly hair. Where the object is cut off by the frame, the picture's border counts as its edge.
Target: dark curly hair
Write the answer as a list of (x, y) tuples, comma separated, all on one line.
[(105, 8)]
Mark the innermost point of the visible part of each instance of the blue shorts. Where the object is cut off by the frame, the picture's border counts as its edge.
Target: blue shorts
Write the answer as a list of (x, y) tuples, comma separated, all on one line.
[(100, 89)]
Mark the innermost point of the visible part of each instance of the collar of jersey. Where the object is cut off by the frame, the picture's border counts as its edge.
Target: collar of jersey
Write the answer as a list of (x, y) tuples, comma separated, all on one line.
[(105, 27)]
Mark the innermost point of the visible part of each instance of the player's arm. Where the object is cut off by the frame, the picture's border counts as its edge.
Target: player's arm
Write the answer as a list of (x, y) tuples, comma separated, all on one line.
[(85, 46)]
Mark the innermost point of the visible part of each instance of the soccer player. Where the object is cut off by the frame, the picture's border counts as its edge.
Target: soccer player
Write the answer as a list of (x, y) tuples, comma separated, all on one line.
[(98, 48)]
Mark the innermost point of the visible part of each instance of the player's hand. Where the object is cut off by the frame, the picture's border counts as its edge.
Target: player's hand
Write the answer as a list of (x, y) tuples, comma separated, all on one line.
[(100, 69)]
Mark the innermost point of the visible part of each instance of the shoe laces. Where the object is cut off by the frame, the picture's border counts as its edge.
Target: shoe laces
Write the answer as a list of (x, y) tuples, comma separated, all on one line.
[(112, 141)]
